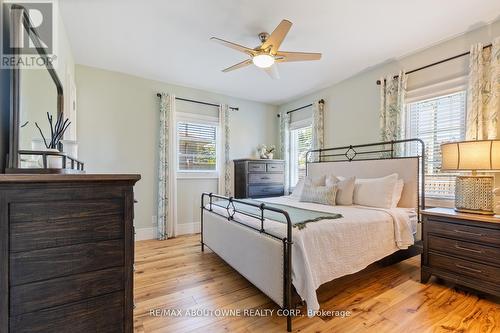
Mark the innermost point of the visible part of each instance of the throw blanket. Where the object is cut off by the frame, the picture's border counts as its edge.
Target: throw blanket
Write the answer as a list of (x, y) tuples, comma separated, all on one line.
[(299, 216)]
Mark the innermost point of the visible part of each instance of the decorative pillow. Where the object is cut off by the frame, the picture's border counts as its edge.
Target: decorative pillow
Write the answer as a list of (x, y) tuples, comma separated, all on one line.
[(375, 192), (398, 191), (319, 194), (297, 191), (315, 180), (345, 189)]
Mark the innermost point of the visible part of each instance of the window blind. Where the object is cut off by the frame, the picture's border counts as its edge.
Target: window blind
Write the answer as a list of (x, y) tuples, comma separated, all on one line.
[(301, 140), (435, 121), (196, 147)]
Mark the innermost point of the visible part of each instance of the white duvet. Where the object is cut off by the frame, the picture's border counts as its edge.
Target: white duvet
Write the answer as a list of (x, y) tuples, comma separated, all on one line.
[(328, 249)]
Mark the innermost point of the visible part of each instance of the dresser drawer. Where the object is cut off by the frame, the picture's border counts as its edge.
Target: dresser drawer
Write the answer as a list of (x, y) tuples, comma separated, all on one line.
[(275, 167), (263, 191), (257, 178), (464, 232), (482, 253), (36, 235), (39, 265), (49, 293), (256, 167), (103, 314), (464, 267)]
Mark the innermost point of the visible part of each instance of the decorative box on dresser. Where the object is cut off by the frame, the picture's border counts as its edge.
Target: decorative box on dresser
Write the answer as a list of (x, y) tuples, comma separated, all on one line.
[(257, 178), (462, 248), (66, 250)]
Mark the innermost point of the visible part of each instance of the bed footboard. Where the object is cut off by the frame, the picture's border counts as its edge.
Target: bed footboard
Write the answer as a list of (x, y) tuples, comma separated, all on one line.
[(262, 258)]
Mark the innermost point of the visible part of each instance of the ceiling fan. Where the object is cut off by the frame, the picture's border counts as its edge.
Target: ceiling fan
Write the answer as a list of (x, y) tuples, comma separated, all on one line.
[(267, 55)]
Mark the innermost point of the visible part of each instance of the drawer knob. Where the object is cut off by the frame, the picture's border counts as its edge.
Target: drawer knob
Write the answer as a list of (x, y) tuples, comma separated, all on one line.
[(467, 249), (467, 233), (469, 268)]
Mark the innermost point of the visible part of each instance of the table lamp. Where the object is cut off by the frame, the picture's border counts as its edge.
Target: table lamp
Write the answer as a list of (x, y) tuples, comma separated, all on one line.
[(474, 193)]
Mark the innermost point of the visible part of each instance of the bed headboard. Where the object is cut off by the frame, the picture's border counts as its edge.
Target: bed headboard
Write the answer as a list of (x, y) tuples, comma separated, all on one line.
[(404, 157)]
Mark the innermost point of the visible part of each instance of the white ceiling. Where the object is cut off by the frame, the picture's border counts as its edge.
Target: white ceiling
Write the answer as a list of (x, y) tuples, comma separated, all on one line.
[(169, 40)]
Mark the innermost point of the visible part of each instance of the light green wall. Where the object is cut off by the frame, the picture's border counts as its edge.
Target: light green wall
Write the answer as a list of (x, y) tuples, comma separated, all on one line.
[(118, 132), (352, 106)]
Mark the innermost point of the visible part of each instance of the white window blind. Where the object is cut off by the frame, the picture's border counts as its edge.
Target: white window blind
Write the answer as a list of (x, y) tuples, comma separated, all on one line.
[(300, 144), (196, 147), (435, 121)]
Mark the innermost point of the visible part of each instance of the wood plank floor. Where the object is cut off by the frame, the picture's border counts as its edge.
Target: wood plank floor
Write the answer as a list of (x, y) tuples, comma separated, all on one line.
[(175, 274)]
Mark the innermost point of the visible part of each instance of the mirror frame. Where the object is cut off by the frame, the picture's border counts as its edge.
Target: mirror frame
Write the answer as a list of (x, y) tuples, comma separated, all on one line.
[(19, 26)]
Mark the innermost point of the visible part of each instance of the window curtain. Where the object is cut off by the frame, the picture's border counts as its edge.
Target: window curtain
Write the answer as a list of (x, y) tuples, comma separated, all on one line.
[(167, 182), (285, 147), (318, 116), (225, 183), (483, 100), (392, 95)]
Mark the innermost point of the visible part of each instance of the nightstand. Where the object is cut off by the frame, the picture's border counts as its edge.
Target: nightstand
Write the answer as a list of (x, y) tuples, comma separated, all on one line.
[(461, 248)]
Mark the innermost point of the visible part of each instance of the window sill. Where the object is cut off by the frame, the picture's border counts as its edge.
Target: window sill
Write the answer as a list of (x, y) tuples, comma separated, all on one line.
[(197, 175)]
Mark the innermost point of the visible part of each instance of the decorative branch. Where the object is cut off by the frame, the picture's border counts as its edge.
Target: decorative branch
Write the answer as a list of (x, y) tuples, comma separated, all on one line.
[(57, 130), (41, 133)]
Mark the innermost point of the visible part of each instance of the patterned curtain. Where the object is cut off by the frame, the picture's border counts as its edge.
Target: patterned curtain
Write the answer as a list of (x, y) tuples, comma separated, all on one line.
[(166, 170), (225, 184), (285, 147), (392, 95), (318, 116), (483, 100)]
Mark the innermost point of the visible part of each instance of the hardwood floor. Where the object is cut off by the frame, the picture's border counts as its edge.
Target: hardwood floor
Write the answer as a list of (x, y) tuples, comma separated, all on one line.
[(175, 274)]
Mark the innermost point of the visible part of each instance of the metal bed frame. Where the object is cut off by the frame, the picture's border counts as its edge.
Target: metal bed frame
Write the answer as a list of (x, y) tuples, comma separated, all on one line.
[(370, 151)]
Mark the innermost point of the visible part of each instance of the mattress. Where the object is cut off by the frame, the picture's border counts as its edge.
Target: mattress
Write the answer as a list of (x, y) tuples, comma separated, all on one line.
[(328, 249)]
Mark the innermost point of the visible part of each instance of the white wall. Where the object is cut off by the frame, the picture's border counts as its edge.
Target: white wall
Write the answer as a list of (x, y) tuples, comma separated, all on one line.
[(352, 106), (118, 118)]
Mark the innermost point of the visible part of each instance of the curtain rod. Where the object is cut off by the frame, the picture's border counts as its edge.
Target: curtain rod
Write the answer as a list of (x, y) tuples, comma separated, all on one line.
[(437, 63), (199, 102), (322, 101)]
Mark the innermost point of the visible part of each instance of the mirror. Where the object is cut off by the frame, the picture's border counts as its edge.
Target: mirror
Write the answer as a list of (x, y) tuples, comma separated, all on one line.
[(35, 92), (37, 97)]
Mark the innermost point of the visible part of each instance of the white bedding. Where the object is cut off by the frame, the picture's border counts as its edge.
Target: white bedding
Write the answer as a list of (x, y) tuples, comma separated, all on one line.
[(328, 249)]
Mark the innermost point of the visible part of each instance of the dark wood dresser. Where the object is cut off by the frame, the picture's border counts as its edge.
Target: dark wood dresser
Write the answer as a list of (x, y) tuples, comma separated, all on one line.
[(258, 178), (462, 248), (66, 253)]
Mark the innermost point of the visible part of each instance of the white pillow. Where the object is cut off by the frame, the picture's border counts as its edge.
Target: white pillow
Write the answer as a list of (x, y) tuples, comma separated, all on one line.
[(345, 189), (375, 192), (297, 191), (319, 194), (398, 191)]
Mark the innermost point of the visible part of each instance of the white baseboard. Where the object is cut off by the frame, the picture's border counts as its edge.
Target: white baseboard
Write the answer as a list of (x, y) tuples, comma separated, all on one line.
[(182, 229), (188, 228), (145, 233)]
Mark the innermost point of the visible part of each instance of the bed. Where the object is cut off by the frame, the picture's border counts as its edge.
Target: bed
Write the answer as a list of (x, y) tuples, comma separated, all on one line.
[(280, 259)]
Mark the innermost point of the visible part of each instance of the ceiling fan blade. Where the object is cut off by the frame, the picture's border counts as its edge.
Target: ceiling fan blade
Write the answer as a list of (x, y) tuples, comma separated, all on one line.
[(238, 65), (277, 36), (234, 46), (297, 56), (273, 72)]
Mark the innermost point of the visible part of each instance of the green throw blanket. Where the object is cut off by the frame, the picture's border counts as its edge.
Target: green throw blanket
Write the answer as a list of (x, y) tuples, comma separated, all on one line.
[(299, 216)]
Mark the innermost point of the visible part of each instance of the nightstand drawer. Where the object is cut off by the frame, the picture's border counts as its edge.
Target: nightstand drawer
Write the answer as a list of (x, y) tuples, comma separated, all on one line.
[(464, 232), (275, 167), (486, 254), (464, 267)]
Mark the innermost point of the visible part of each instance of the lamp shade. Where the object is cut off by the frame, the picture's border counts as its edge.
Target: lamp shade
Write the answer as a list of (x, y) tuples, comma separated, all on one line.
[(481, 155)]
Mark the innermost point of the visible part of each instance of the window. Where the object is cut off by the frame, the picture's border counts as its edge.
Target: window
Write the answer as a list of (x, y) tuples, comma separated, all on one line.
[(437, 120), (197, 147), (300, 143)]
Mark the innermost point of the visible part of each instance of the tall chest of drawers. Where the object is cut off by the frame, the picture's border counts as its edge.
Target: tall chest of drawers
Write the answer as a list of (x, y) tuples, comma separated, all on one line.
[(462, 248), (255, 178), (66, 249)]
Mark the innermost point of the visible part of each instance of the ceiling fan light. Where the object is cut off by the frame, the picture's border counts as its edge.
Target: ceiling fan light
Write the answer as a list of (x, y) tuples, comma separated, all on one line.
[(263, 60)]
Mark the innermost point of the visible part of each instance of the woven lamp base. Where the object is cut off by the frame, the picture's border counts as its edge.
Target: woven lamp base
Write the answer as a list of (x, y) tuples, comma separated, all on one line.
[(474, 194)]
